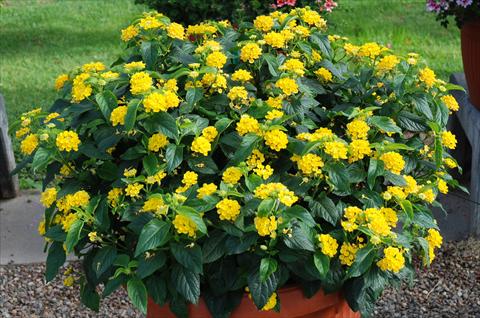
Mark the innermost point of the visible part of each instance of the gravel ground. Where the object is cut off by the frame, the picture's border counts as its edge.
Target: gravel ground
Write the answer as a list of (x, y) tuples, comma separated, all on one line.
[(451, 288)]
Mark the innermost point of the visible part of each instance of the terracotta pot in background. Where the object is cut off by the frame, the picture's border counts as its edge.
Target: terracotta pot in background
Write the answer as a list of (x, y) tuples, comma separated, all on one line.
[(471, 59), (293, 305)]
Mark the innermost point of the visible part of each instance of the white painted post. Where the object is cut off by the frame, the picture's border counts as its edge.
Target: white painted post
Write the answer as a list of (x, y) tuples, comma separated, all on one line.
[(8, 183)]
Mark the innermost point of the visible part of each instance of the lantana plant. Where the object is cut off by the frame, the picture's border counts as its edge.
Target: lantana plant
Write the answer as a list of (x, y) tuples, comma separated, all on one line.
[(213, 161)]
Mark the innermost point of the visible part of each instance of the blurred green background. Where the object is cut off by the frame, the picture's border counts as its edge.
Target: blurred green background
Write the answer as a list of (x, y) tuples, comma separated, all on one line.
[(43, 38)]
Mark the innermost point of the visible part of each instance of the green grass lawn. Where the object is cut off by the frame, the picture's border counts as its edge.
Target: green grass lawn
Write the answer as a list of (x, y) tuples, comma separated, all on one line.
[(43, 38), (403, 25)]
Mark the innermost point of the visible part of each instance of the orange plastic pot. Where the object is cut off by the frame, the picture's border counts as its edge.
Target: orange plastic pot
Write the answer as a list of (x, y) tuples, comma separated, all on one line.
[(293, 305), (471, 59)]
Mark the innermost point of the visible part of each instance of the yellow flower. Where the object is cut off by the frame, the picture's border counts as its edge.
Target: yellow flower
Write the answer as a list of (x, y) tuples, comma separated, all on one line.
[(155, 205), (358, 129), (255, 159), (250, 52), (156, 178), (271, 303), (247, 124), (155, 102), (393, 260), (134, 66), (216, 59), (150, 22), (201, 145), (157, 142), (387, 63), (171, 85), (316, 57), (265, 225), (450, 102), (442, 186), (93, 237), (313, 18), (129, 33), (336, 149), (434, 238), (68, 141), (210, 133), (351, 49), (241, 76), (347, 253), (93, 67), (449, 140), (140, 83), (176, 31), (184, 225), (263, 22), (371, 50), (48, 197), (377, 222), (68, 220), (228, 209), (427, 76), (287, 85), (237, 92), (130, 173), (450, 163), (113, 196), (60, 81), (276, 190), (427, 196), (232, 175), (393, 161), (310, 164), (358, 149), (329, 245), (275, 39), (274, 114), (22, 132), (117, 117), (390, 216), (189, 179), (275, 102), (324, 74), (41, 228), (276, 139), (263, 171), (294, 65), (80, 90), (69, 281), (206, 190), (29, 144), (133, 190)]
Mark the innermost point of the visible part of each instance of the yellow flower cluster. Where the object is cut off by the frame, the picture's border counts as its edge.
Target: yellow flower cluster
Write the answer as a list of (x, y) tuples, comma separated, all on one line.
[(287, 85), (156, 102), (263, 22), (78, 199), (232, 175), (140, 83), (133, 190), (201, 145), (449, 140), (250, 52), (358, 149), (324, 75), (393, 161), (176, 31), (60, 81), (29, 144), (358, 129), (387, 63), (228, 209), (155, 205), (348, 253), (67, 141), (48, 197), (276, 139), (237, 93), (241, 75), (81, 90), (206, 189), (310, 164), (247, 124), (266, 226), (336, 149), (276, 190), (434, 240), (184, 225), (328, 244), (113, 196), (117, 117), (450, 102), (393, 260), (427, 76), (129, 33)]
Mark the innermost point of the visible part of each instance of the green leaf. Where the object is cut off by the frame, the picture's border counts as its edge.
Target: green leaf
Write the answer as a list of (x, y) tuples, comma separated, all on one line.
[(267, 267), (147, 266), (407, 208), (162, 122), (55, 259), (338, 177), (189, 257), (422, 106), (411, 122), (108, 171), (246, 147), (149, 52), (103, 259), (272, 63), (385, 124), (156, 289), (56, 233), (89, 296), (194, 216), (322, 263), (137, 294), (174, 156), (106, 102), (265, 207), (223, 124), (322, 42), (150, 164), (300, 213), (363, 261), (261, 290), (213, 247), (187, 283), (73, 235), (253, 181), (194, 95), (322, 206), (425, 248), (154, 234), (102, 219), (438, 152), (131, 115), (395, 179), (113, 284), (41, 159), (300, 239)]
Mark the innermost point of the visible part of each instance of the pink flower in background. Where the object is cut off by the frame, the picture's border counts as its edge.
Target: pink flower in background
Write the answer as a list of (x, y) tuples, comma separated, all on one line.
[(464, 3), (437, 6), (281, 3), (328, 6)]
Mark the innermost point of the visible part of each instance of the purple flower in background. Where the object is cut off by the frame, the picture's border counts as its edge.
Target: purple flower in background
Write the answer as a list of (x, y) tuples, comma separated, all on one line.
[(437, 6), (464, 3)]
